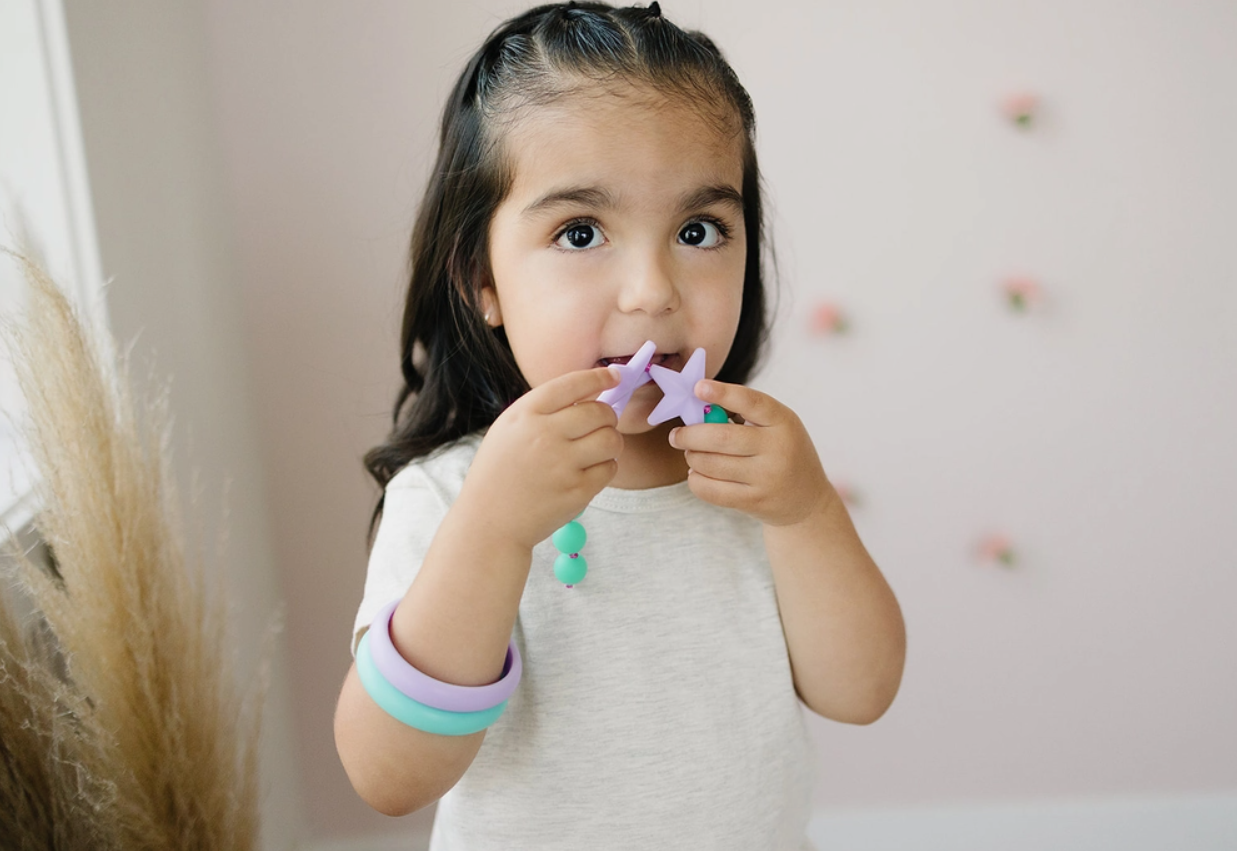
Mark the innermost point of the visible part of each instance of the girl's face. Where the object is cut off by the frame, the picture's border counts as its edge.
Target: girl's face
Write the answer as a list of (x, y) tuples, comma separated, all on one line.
[(624, 224)]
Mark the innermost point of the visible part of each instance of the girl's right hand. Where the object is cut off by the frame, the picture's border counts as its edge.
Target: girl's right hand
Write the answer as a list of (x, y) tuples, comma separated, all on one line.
[(545, 457)]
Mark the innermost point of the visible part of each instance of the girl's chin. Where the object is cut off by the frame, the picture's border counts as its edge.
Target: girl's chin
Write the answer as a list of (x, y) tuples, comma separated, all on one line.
[(635, 426)]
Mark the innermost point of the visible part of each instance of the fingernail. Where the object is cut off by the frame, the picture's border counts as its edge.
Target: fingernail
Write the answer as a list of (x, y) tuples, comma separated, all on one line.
[(704, 389), (673, 435)]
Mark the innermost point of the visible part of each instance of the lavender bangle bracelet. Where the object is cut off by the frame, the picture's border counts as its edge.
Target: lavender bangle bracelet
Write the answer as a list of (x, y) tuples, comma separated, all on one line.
[(425, 689)]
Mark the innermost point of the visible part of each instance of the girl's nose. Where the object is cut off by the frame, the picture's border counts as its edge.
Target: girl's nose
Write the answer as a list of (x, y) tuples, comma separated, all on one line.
[(649, 286)]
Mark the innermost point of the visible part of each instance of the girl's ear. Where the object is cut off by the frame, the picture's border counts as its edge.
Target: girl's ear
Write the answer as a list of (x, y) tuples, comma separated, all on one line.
[(490, 308)]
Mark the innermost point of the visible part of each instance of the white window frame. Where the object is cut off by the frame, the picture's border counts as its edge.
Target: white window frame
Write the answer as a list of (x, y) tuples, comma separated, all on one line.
[(44, 194)]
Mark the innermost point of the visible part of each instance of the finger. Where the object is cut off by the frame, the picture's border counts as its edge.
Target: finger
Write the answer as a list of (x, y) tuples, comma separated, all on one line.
[(581, 386), (724, 438), (721, 468), (575, 421), (717, 492), (599, 475), (755, 407), (604, 444)]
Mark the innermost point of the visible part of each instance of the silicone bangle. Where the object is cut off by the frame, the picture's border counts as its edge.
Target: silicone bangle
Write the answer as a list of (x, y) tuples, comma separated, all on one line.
[(431, 692), (404, 709)]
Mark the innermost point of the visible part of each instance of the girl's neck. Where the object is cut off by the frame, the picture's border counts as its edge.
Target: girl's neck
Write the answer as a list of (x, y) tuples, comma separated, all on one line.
[(649, 461)]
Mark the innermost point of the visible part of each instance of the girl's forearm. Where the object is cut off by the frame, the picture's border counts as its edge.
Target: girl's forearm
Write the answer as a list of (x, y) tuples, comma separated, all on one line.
[(456, 620), (394, 768), (843, 626), (453, 624)]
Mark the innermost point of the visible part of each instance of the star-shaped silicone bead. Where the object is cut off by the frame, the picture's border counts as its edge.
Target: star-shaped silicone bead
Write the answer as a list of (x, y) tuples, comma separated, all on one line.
[(679, 399), (632, 375)]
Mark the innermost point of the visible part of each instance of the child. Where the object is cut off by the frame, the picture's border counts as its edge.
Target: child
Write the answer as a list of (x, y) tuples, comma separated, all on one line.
[(596, 188)]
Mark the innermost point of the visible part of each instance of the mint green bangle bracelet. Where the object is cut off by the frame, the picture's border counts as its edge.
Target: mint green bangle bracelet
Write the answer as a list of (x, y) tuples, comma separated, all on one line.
[(404, 709)]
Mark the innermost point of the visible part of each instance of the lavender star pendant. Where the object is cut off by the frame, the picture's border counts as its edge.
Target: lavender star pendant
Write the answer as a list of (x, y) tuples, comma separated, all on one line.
[(679, 399), (632, 375)]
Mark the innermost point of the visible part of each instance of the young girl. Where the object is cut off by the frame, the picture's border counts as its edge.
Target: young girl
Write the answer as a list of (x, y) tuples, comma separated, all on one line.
[(596, 188)]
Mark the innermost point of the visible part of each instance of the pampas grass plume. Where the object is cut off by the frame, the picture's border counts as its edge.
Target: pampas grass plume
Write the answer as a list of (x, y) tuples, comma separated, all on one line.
[(124, 726)]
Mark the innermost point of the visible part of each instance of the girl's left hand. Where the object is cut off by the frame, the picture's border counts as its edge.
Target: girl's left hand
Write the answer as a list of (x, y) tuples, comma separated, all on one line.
[(767, 467)]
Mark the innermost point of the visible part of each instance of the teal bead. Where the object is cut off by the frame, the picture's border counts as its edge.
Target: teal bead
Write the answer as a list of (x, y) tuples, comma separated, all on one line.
[(568, 570), (716, 414), (570, 538)]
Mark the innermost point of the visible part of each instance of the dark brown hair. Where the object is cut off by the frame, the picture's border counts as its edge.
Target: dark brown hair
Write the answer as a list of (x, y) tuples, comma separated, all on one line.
[(459, 374)]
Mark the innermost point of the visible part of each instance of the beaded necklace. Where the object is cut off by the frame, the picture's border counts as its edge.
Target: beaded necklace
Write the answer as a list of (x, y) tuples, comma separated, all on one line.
[(678, 400)]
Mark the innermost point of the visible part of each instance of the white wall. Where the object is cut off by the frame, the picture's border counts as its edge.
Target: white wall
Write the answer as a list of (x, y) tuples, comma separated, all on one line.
[(166, 242), (1096, 431)]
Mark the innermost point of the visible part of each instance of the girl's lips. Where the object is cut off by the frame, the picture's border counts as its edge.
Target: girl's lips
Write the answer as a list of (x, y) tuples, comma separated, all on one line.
[(670, 360)]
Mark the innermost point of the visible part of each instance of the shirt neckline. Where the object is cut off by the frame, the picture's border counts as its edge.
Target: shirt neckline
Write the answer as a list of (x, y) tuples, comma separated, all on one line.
[(642, 500)]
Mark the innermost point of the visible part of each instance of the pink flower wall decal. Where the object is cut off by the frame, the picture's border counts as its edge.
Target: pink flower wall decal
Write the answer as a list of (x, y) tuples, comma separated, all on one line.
[(847, 493), (1020, 108), (827, 318), (1021, 293), (997, 547)]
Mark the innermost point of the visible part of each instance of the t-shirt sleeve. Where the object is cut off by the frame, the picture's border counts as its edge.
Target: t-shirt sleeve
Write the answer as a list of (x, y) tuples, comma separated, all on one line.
[(411, 513)]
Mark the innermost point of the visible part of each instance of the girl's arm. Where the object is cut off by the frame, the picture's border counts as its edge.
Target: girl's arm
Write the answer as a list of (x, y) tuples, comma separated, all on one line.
[(539, 465), (453, 624), (843, 626)]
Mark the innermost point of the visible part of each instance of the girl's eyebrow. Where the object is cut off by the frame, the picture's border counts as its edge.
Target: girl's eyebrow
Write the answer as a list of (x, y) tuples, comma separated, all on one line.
[(602, 199), (707, 196), (586, 196)]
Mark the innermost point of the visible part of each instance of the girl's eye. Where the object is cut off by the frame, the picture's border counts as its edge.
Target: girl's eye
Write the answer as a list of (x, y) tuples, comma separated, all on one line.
[(579, 235), (702, 234)]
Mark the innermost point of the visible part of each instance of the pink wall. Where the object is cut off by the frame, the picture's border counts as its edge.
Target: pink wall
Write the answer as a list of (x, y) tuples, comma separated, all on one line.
[(1096, 431)]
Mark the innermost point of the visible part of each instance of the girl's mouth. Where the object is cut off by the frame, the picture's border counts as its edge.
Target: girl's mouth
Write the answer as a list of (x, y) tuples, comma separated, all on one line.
[(670, 360)]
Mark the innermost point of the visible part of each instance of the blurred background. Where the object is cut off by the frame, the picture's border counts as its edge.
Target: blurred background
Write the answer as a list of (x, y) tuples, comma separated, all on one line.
[(1006, 237)]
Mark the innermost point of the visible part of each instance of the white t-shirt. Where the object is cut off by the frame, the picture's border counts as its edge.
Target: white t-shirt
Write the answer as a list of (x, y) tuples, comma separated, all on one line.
[(656, 709)]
